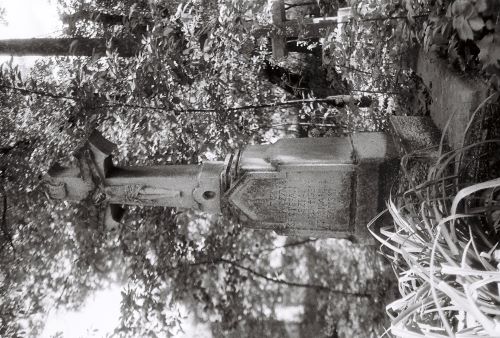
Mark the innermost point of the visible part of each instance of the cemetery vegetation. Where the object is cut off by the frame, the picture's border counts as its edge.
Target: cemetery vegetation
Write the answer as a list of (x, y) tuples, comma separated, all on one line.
[(192, 85), (443, 242)]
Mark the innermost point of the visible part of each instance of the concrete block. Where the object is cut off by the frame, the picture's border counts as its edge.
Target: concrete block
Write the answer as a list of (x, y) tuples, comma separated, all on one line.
[(373, 147), (454, 96), (414, 134)]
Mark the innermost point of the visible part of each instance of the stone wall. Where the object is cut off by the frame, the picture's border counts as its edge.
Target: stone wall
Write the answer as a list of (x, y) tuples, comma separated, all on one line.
[(455, 97)]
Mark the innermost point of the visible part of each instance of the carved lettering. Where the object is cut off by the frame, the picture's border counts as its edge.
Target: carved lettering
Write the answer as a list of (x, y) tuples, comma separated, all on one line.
[(300, 200)]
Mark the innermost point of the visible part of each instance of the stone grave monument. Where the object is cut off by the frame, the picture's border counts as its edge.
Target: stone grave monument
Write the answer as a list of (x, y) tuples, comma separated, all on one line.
[(319, 187)]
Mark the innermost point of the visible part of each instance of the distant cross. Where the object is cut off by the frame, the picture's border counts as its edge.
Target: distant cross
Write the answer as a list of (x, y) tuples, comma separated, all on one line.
[(282, 29)]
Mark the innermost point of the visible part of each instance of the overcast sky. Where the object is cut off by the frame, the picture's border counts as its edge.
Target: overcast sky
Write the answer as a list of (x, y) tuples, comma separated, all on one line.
[(29, 19), (100, 314)]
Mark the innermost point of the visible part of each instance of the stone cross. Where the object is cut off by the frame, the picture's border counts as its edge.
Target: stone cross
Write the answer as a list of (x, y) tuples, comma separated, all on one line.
[(97, 179), (320, 187), (282, 29)]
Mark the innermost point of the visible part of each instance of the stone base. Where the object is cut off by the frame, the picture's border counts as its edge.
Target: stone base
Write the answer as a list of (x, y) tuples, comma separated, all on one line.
[(322, 187), (415, 136)]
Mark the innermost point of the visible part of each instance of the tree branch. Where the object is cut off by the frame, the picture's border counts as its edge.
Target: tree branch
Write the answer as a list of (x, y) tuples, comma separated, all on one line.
[(375, 92), (288, 245), (293, 284), (5, 231), (271, 279), (288, 6), (382, 18), (337, 100), (8, 149), (40, 93), (4, 213)]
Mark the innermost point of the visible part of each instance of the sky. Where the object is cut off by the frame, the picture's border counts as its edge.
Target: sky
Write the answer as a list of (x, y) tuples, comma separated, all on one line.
[(100, 314), (29, 19)]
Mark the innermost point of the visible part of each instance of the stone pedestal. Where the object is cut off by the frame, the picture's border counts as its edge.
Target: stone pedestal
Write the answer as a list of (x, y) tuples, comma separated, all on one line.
[(416, 137), (322, 187)]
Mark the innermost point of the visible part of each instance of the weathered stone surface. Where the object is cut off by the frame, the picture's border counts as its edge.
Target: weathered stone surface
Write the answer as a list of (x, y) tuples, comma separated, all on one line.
[(367, 203), (373, 147), (453, 96), (297, 200), (60, 178), (323, 187), (184, 186), (415, 136), (311, 152)]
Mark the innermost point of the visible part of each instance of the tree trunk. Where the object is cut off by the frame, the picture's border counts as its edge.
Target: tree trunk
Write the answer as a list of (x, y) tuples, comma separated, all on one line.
[(67, 47), (96, 47)]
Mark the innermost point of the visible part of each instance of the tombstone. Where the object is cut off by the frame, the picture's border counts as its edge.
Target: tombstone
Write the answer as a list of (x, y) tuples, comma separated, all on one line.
[(315, 187), (307, 28), (322, 187), (454, 97)]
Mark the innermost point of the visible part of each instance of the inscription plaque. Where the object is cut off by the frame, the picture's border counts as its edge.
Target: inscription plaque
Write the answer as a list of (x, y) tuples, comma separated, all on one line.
[(312, 187), (295, 201)]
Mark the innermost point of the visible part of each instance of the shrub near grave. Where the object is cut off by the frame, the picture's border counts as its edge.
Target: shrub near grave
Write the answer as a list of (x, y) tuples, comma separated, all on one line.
[(443, 246), (465, 31)]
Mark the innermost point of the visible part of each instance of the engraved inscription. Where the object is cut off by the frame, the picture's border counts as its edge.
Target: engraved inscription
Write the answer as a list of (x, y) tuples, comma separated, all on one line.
[(300, 200)]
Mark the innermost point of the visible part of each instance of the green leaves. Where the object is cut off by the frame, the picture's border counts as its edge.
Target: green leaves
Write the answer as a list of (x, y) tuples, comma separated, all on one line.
[(466, 19), (476, 23), (472, 22), (463, 8), (463, 28), (490, 50)]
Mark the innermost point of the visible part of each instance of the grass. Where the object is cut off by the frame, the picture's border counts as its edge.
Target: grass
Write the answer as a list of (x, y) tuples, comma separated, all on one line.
[(444, 248)]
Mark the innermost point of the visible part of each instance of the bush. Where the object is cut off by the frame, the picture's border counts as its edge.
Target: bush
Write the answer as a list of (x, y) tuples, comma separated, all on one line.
[(443, 247)]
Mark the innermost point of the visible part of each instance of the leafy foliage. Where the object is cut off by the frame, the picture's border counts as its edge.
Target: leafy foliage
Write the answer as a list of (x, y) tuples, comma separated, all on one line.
[(443, 241), (176, 101), (463, 30), (370, 50)]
